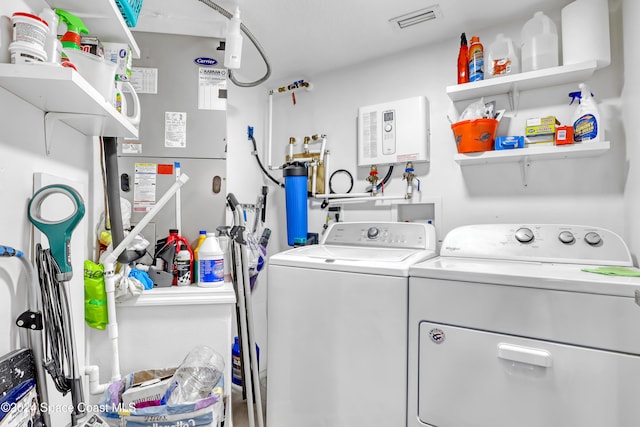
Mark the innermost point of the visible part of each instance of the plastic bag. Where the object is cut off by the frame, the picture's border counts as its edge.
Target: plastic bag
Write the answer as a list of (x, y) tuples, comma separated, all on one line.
[(474, 111), (128, 287), (95, 296)]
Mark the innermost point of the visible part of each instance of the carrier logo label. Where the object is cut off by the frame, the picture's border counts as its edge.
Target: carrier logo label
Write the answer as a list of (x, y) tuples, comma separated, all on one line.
[(436, 335), (209, 62)]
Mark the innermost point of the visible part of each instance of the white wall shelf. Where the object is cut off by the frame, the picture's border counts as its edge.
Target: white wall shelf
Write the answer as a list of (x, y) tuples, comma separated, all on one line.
[(514, 84), (544, 152), (56, 89), (102, 18), (525, 156)]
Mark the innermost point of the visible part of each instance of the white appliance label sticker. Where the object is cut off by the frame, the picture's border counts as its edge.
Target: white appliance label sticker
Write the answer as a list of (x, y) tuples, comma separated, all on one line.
[(175, 129), (212, 89), (131, 147), (144, 80), (144, 187)]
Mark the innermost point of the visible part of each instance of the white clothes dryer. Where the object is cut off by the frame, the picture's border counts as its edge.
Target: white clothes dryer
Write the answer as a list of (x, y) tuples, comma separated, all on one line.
[(337, 326), (506, 328)]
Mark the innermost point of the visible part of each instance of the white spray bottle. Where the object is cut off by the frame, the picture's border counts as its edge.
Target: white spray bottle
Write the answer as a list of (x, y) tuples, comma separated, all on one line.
[(586, 119)]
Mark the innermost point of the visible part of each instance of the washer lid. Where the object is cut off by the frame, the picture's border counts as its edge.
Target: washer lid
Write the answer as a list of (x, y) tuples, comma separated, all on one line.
[(388, 261), (541, 275)]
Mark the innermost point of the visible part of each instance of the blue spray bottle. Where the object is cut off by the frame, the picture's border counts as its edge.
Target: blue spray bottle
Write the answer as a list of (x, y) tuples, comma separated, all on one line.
[(586, 119)]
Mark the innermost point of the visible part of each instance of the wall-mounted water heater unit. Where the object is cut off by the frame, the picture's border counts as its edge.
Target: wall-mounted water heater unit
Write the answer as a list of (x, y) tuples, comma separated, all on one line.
[(394, 132)]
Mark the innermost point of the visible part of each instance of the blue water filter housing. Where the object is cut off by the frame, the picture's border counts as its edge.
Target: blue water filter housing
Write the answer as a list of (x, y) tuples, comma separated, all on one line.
[(295, 188)]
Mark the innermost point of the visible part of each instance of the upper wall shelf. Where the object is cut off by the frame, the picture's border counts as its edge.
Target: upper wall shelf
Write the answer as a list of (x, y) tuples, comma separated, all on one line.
[(60, 90), (102, 18), (516, 83)]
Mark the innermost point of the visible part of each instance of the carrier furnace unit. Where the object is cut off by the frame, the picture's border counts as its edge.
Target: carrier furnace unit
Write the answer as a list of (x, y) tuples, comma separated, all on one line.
[(394, 132)]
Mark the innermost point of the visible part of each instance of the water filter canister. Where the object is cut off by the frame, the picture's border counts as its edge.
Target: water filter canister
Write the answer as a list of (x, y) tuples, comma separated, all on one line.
[(210, 263), (295, 187)]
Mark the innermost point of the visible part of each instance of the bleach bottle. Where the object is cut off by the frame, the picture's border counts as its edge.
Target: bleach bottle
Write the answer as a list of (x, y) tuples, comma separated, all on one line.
[(586, 119), (210, 263)]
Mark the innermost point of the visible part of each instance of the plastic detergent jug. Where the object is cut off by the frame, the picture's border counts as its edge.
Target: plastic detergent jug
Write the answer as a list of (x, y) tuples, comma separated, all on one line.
[(502, 58), (177, 241), (236, 369), (586, 119), (201, 237), (539, 43), (210, 263)]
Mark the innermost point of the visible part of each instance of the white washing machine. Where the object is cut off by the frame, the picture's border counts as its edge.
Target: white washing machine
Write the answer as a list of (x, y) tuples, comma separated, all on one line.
[(506, 329), (337, 326)]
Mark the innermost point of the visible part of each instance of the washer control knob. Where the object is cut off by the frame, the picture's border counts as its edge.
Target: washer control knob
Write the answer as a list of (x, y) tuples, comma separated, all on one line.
[(373, 232), (524, 235), (566, 237), (593, 238)]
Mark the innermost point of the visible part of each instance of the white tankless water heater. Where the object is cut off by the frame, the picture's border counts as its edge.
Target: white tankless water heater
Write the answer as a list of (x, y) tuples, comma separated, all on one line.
[(394, 132)]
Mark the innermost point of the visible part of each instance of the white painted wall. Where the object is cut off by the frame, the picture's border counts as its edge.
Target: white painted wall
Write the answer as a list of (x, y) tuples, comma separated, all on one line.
[(630, 97), (580, 191), (22, 154)]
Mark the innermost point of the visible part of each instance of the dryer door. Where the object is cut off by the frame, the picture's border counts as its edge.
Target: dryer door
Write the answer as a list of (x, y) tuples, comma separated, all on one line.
[(475, 378)]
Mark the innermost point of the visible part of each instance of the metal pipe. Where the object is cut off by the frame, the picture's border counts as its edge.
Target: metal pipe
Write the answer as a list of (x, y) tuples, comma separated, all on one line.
[(113, 189)]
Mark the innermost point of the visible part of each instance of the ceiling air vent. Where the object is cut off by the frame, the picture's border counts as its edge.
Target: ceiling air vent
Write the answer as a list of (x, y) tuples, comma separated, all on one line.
[(416, 17)]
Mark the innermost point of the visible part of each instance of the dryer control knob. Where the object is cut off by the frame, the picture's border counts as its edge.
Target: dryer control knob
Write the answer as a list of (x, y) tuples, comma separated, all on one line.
[(593, 238), (566, 237), (373, 232), (524, 235)]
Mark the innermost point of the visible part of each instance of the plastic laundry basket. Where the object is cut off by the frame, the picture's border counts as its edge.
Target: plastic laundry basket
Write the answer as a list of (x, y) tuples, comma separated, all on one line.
[(207, 412), (130, 10), (474, 136)]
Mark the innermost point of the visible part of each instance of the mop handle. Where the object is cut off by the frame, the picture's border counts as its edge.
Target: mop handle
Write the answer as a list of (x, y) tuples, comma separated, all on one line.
[(58, 232)]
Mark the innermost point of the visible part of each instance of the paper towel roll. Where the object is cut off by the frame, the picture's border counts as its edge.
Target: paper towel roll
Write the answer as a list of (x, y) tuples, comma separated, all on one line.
[(585, 32)]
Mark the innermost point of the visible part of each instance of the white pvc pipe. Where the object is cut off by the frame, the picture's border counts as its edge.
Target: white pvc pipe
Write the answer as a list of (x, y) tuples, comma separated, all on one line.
[(178, 200), (110, 279), (270, 130), (343, 199)]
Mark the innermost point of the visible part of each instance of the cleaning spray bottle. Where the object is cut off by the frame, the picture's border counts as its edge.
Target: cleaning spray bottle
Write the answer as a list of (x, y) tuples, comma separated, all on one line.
[(463, 60), (72, 38), (586, 119)]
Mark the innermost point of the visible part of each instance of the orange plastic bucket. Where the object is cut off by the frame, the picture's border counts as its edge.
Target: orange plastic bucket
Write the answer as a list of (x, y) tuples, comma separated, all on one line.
[(473, 136)]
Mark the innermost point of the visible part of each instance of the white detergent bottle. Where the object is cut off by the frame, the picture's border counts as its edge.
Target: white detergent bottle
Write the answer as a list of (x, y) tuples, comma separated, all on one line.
[(502, 58), (210, 263), (586, 120)]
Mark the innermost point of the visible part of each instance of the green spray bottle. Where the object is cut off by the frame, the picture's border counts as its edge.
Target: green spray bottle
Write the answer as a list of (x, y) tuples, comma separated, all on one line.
[(71, 39)]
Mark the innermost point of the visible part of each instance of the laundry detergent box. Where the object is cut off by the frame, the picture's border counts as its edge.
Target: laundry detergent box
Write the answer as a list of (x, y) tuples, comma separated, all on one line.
[(541, 130), (120, 53), (148, 391)]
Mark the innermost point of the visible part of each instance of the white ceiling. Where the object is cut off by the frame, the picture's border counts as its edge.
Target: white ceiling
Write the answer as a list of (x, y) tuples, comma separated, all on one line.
[(304, 37)]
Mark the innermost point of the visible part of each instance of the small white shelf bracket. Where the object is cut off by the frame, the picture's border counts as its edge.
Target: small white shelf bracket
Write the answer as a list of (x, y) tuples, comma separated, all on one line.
[(51, 118), (525, 164), (514, 98)]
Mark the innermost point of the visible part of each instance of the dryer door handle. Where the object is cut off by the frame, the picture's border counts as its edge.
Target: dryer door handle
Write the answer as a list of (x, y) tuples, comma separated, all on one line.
[(531, 356)]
